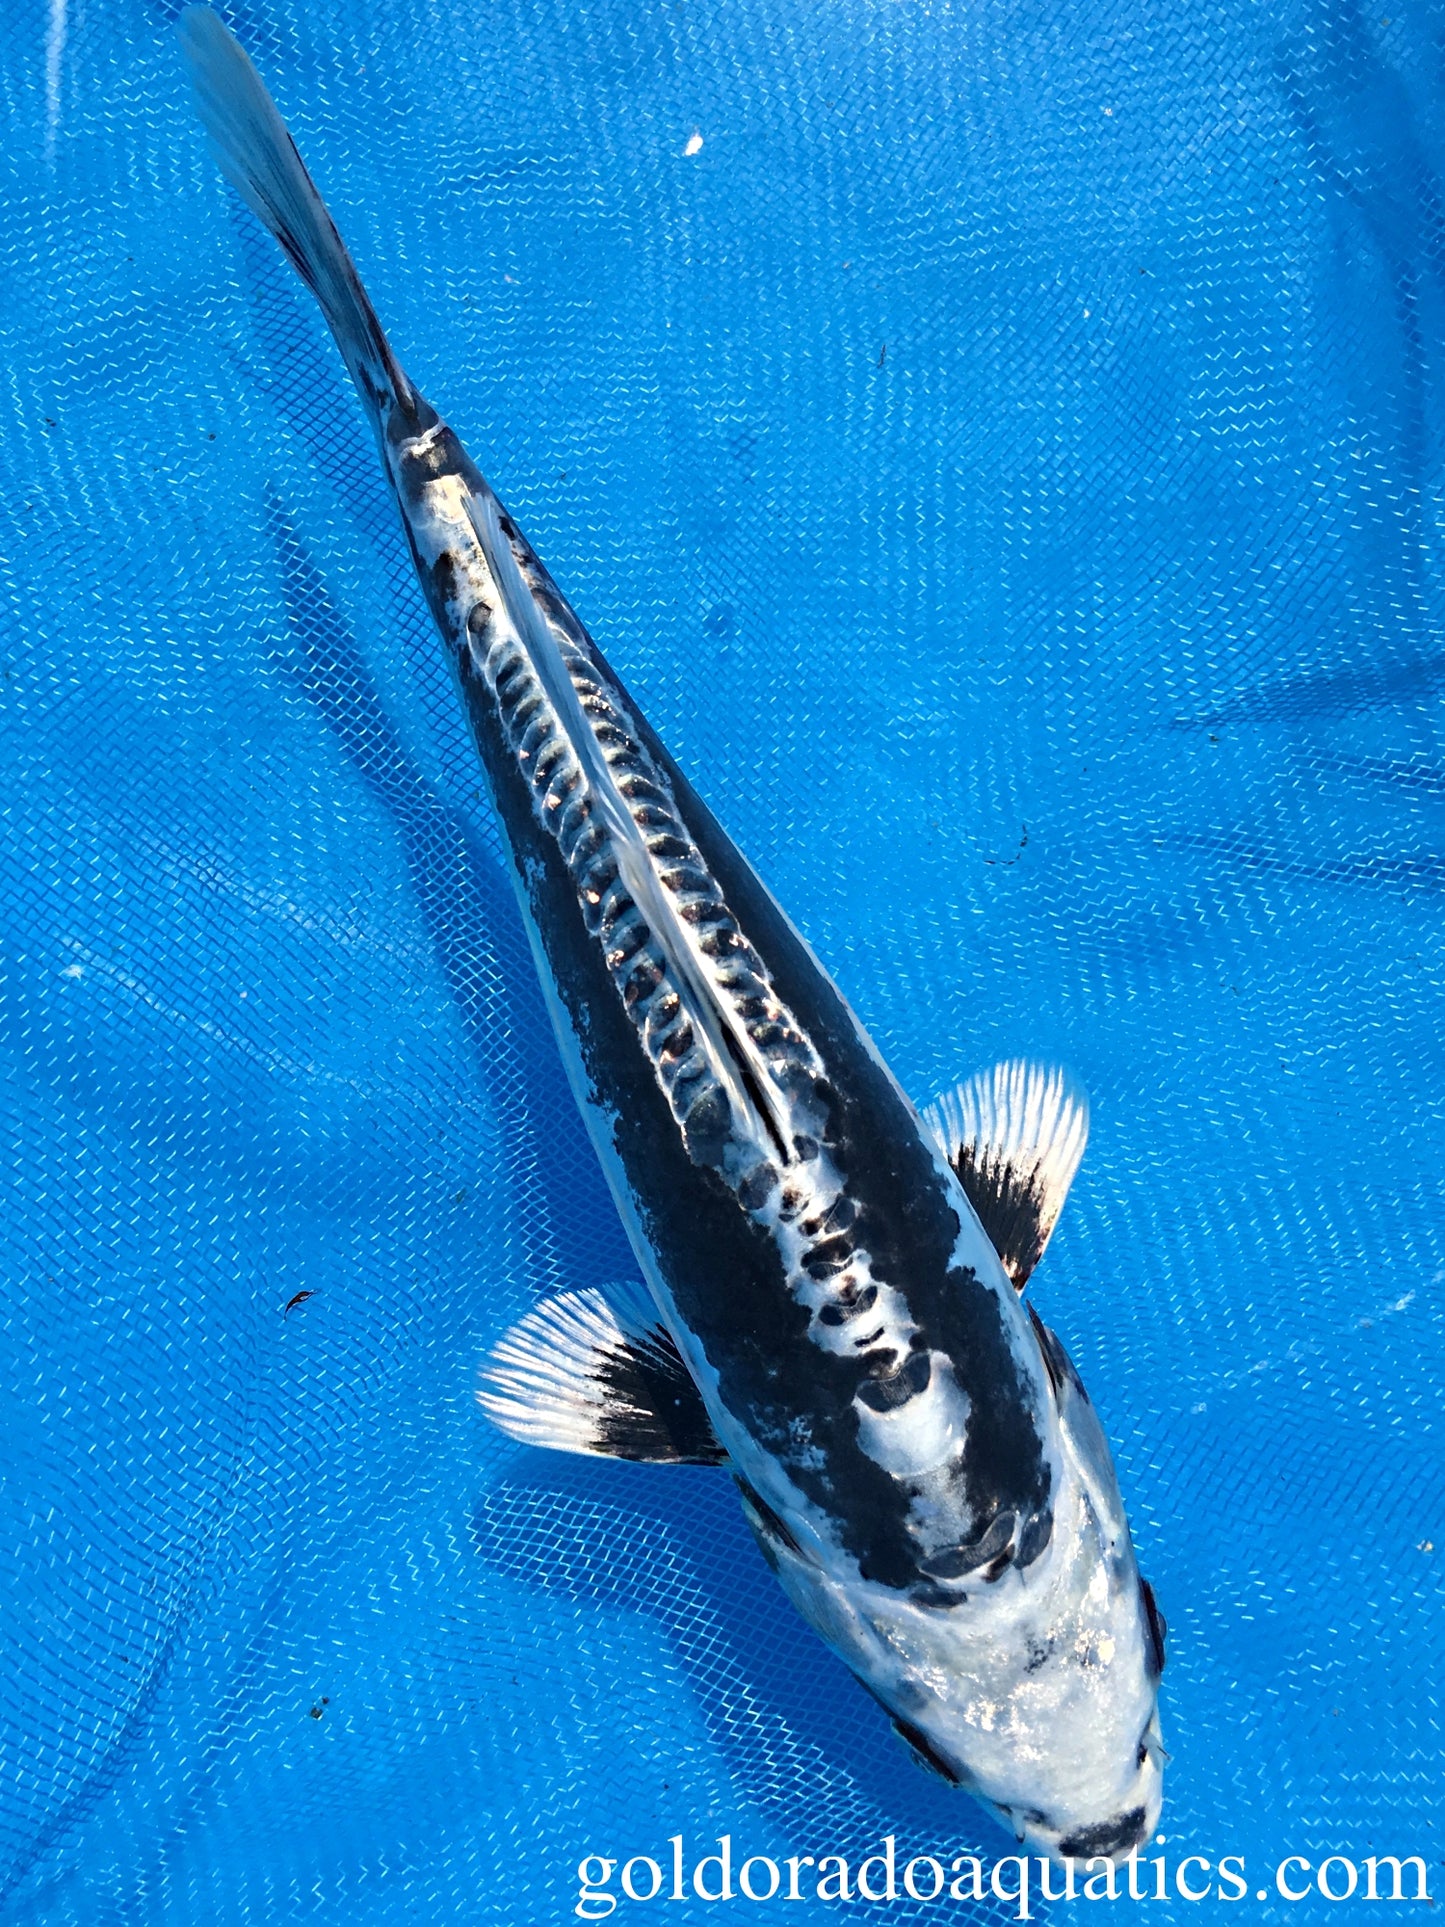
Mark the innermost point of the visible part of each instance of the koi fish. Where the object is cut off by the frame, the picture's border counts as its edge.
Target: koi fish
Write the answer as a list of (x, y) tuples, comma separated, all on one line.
[(832, 1306)]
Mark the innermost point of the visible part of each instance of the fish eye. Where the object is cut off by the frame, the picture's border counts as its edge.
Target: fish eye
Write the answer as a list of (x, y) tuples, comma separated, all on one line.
[(1157, 1628), (923, 1750)]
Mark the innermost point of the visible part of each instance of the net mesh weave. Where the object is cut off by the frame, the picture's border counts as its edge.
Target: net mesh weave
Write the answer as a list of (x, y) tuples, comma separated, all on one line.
[(1004, 459)]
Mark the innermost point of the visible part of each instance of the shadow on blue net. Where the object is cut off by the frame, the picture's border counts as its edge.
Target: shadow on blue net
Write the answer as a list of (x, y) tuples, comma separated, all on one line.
[(1371, 151), (801, 1740), (1402, 682), (302, 380), (559, 1211)]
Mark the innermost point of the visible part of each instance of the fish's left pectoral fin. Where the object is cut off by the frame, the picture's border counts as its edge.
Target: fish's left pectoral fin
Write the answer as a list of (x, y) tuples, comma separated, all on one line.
[(1015, 1135), (598, 1373)]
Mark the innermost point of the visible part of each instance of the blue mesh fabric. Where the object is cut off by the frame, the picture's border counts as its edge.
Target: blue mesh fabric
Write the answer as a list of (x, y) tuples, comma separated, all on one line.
[(1005, 460)]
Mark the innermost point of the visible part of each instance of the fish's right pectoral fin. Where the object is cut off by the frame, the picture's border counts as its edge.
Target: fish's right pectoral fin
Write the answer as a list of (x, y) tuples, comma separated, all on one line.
[(1015, 1135), (598, 1373)]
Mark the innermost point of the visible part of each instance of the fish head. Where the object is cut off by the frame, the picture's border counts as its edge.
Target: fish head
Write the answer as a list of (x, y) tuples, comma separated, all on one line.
[(1035, 1685), (1024, 1666), (1038, 1694)]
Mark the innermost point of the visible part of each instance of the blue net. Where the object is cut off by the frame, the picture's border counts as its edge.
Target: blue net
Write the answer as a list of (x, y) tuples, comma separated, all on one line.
[(1000, 444)]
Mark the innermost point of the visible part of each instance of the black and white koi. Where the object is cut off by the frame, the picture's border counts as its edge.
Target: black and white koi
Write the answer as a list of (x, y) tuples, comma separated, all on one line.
[(832, 1306)]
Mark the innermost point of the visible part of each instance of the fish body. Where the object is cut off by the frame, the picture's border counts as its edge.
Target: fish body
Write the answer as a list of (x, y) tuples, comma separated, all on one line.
[(826, 1313)]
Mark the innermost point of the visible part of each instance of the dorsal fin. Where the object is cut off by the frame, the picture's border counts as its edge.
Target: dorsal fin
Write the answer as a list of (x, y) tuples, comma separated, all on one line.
[(1015, 1135), (598, 1374)]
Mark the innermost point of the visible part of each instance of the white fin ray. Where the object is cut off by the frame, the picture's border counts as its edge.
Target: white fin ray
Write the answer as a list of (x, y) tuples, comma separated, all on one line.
[(598, 1374), (1014, 1134)]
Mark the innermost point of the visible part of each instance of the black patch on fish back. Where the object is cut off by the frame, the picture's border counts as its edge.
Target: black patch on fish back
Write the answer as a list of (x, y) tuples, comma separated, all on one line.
[(1002, 1544), (1034, 1538), (443, 454), (939, 1598), (887, 1391)]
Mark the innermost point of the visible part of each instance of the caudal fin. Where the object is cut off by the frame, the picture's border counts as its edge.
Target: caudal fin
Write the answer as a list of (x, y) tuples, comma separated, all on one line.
[(259, 158)]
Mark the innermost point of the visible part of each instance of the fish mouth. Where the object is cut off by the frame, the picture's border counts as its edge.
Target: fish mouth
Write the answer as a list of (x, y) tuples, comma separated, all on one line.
[(1109, 1839), (1113, 1839)]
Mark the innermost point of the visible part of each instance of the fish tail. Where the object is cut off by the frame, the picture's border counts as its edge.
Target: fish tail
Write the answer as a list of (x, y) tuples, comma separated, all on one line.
[(259, 158)]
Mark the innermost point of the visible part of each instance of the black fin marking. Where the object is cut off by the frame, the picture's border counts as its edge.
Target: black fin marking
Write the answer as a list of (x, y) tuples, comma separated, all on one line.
[(1015, 1135), (600, 1375)]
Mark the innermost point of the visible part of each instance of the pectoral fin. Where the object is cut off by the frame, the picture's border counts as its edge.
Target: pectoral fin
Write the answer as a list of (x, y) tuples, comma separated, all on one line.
[(598, 1374), (1015, 1135)]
